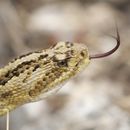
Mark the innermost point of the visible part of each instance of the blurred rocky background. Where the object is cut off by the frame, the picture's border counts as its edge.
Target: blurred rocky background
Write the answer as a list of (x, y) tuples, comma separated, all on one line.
[(96, 99)]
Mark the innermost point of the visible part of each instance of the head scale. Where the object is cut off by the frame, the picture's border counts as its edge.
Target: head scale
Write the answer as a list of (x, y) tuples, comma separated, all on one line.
[(72, 56)]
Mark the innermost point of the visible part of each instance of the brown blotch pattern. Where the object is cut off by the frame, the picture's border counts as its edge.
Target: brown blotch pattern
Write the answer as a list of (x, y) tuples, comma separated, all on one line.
[(43, 83), (22, 56), (16, 71), (40, 85), (42, 56), (36, 67), (6, 94)]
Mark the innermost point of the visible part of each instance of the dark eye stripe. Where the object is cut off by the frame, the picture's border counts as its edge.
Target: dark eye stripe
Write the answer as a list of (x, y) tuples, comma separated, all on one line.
[(15, 72)]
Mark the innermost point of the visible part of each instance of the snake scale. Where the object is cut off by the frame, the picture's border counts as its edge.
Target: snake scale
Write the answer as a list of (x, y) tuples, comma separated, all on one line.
[(34, 76)]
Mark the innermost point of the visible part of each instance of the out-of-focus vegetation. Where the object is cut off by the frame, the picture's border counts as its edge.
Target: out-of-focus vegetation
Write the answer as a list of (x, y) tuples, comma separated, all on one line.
[(99, 97)]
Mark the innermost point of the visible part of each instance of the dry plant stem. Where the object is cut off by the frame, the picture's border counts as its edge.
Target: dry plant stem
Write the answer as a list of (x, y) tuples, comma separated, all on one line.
[(7, 120), (102, 55)]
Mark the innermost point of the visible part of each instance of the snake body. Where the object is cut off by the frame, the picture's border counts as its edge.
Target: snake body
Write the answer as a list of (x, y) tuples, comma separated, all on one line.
[(34, 76)]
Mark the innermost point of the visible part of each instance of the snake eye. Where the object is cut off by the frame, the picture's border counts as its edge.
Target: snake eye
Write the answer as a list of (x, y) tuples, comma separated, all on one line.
[(62, 63)]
